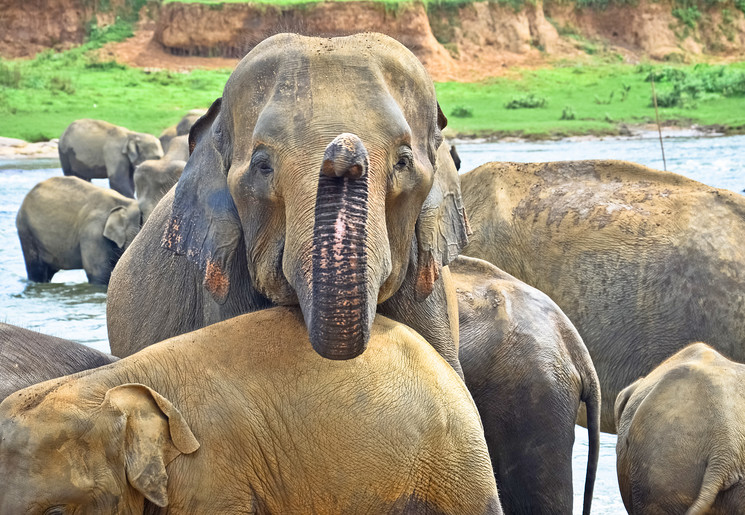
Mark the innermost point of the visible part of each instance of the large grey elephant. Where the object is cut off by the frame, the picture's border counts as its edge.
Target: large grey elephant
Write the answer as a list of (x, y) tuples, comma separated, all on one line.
[(154, 177), (95, 149), (643, 262), (310, 186), (243, 417), (28, 357), (681, 444), (528, 372), (65, 223)]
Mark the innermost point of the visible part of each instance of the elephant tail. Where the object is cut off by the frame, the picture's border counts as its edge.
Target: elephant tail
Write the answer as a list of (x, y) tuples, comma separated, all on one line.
[(591, 398), (710, 487)]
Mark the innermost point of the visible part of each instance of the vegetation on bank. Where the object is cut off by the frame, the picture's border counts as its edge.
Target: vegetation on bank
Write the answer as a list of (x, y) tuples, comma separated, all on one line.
[(40, 97), (688, 11), (586, 99)]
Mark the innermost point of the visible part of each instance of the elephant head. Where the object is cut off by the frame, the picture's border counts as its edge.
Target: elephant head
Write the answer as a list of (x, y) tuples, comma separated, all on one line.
[(122, 224), (321, 161), (140, 147), (112, 456)]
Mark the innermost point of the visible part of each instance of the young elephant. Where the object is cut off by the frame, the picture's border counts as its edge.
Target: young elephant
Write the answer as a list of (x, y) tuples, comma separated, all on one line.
[(28, 357), (65, 223), (154, 177), (92, 149), (528, 371), (681, 437), (244, 417)]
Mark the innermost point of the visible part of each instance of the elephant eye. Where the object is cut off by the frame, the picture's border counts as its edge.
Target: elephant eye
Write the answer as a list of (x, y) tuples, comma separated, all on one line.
[(55, 510), (405, 158), (261, 162)]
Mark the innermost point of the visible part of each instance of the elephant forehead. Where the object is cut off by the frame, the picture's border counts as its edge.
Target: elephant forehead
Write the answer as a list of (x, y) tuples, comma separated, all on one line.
[(312, 83)]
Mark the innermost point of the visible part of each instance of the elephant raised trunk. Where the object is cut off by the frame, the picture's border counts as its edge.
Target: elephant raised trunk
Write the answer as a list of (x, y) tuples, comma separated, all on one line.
[(339, 321)]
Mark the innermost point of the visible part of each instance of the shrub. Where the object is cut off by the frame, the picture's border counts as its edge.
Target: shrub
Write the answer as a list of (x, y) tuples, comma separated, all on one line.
[(461, 112), (568, 113), (10, 76), (689, 16), (63, 84), (529, 101)]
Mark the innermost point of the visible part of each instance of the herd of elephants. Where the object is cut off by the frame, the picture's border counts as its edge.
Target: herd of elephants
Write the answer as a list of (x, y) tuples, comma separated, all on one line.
[(310, 311)]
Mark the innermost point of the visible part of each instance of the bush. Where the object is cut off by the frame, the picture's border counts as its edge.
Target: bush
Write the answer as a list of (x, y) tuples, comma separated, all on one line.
[(461, 112), (10, 76), (63, 84), (688, 15), (568, 113), (530, 101)]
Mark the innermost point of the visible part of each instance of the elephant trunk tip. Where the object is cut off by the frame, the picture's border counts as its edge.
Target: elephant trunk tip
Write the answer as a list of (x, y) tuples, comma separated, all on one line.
[(337, 340), (346, 156)]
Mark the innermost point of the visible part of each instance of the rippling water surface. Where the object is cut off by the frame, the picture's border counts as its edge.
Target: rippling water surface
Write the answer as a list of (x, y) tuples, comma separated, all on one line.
[(71, 308)]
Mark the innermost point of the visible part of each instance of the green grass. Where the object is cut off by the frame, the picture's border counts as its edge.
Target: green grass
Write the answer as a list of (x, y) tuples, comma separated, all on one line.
[(40, 97), (593, 99)]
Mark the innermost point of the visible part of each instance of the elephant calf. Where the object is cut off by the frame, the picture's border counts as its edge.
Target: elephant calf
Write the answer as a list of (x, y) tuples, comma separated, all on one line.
[(28, 357), (244, 417), (65, 223), (92, 149), (154, 177), (528, 371), (681, 436)]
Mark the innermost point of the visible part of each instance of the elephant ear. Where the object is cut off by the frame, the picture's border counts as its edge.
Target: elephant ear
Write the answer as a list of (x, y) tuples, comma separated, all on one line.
[(155, 433), (130, 148), (442, 227), (204, 225), (623, 399), (115, 227)]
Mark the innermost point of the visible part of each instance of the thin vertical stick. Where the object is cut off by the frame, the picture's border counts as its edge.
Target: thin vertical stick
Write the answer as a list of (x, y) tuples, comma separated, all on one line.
[(657, 117)]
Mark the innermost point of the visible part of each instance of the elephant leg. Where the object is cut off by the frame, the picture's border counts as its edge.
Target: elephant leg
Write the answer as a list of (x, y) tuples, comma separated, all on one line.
[(121, 177), (40, 272), (37, 269), (435, 318), (99, 258)]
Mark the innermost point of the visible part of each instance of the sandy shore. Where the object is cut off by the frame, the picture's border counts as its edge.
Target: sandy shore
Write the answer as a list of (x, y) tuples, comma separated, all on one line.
[(11, 148)]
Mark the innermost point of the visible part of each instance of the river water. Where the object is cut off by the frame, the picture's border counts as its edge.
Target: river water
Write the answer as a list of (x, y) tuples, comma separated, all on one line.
[(71, 308)]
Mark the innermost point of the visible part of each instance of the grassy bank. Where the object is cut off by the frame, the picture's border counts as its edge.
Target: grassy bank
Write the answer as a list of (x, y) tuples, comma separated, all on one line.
[(570, 99), (40, 97)]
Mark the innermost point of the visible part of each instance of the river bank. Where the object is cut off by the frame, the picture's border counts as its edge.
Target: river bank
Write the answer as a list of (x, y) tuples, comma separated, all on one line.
[(13, 148)]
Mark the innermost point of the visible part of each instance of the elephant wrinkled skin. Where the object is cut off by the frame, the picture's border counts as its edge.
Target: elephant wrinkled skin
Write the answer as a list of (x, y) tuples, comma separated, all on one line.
[(91, 149), (528, 372), (681, 436), (243, 417), (643, 262), (28, 357), (65, 223), (319, 179)]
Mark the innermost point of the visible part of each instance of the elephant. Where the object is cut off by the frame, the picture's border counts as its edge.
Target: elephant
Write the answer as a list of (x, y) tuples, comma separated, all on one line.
[(154, 177), (28, 357), (681, 446), (66, 223), (643, 262), (528, 371), (181, 128), (243, 416), (91, 149), (304, 188)]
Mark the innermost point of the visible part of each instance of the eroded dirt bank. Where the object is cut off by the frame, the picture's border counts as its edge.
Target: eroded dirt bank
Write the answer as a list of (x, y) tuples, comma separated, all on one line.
[(464, 43)]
